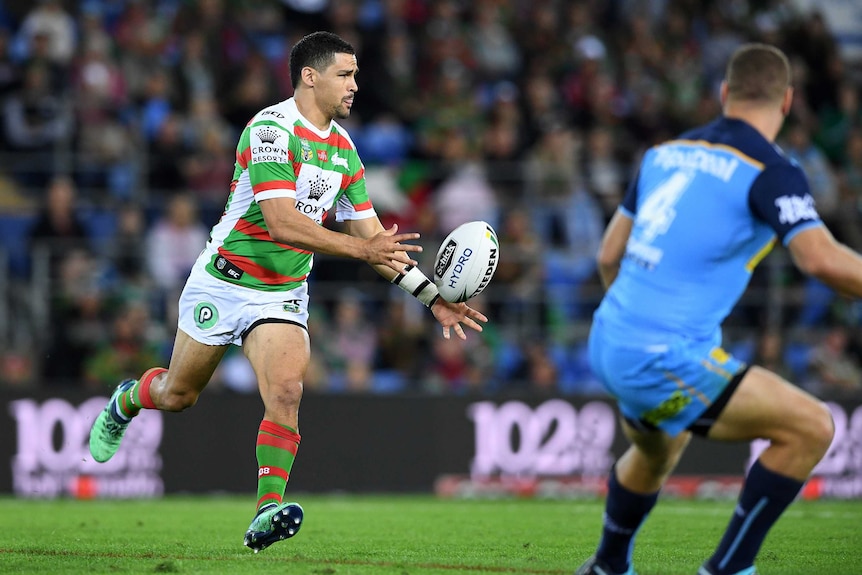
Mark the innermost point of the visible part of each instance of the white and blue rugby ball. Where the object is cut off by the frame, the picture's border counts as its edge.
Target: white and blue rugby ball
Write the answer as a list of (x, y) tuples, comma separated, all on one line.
[(466, 261)]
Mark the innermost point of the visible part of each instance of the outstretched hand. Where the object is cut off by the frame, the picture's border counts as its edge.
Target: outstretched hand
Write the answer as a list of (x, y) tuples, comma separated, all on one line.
[(385, 248), (452, 315)]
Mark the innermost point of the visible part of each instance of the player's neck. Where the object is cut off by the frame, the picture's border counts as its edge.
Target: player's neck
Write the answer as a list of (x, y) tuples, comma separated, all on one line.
[(310, 111), (767, 121)]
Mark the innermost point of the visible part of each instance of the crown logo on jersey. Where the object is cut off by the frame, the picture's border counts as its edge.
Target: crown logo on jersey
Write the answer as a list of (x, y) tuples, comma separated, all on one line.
[(267, 135), (317, 187)]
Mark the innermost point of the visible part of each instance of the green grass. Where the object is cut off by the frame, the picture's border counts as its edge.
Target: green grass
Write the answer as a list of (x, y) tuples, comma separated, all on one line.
[(400, 535)]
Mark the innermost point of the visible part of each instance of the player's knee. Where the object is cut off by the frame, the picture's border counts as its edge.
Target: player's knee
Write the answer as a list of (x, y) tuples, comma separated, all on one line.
[(661, 463), (286, 393), (820, 429)]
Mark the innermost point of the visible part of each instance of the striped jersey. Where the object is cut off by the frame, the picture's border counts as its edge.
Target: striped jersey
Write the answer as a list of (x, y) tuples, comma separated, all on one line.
[(707, 208), (280, 154)]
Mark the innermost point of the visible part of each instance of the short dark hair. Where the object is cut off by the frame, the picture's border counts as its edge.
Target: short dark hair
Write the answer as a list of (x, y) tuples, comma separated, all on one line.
[(317, 50), (758, 72)]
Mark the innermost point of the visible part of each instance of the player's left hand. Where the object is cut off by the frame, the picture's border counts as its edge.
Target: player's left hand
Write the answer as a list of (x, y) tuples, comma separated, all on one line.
[(452, 315)]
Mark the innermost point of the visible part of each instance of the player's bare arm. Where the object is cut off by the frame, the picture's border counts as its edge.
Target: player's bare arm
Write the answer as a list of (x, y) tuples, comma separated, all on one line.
[(817, 253), (450, 315), (383, 248), (613, 247)]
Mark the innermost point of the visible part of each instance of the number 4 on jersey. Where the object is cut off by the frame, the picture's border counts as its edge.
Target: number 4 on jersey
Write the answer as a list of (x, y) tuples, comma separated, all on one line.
[(657, 212)]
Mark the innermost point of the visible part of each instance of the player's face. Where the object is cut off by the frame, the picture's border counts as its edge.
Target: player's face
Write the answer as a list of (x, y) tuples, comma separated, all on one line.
[(337, 85)]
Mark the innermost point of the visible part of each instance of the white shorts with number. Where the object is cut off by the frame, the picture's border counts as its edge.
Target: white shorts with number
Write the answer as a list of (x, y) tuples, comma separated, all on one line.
[(215, 312)]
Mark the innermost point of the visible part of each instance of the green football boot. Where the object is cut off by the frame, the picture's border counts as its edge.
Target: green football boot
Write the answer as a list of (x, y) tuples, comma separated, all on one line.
[(108, 429), (273, 523)]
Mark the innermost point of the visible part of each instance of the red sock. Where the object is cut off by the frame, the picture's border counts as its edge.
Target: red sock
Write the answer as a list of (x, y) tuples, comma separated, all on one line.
[(142, 389), (276, 450), (138, 396)]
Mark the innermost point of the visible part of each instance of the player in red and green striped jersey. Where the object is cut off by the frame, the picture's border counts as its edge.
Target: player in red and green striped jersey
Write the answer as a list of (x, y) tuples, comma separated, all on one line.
[(294, 165)]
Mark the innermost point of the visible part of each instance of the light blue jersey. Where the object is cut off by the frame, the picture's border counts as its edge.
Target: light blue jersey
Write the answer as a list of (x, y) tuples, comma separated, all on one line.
[(707, 208)]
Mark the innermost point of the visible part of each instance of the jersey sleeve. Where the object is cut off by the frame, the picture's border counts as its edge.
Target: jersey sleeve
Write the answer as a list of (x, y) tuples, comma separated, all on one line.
[(780, 196), (630, 200), (271, 159), (354, 203)]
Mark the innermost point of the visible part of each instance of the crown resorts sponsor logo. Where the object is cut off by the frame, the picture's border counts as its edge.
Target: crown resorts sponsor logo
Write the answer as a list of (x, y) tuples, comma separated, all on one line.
[(267, 135), (267, 150), (317, 187)]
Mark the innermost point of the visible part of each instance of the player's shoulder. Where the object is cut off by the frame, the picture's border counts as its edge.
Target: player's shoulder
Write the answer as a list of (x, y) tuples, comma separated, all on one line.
[(282, 113), (342, 132), (743, 139)]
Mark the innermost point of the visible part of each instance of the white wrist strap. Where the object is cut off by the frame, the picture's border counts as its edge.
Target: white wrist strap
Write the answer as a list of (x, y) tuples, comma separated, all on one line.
[(414, 282)]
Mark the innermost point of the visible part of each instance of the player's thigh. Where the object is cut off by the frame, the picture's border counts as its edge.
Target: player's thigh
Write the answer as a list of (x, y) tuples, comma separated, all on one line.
[(279, 354), (764, 405), (192, 364), (656, 444)]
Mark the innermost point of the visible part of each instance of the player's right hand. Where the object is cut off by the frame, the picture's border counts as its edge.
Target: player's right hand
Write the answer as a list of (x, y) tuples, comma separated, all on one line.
[(386, 248)]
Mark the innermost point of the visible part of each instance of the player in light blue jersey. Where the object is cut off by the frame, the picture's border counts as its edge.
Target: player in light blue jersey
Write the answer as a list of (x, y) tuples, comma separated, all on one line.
[(675, 258)]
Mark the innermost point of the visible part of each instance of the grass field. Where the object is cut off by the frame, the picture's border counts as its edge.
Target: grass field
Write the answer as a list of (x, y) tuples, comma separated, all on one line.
[(400, 535)]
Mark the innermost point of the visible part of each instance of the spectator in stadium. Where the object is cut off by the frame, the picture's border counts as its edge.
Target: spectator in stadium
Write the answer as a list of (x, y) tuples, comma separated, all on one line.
[(127, 260), (352, 342), (402, 338), (59, 227), (49, 19), (168, 154), (520, 271), (769, 353), (124, 350), (105, 143), (10, 71), (834, 369), (172, 246), (663, 362), (77, 315), (35, 122), (294, 164)]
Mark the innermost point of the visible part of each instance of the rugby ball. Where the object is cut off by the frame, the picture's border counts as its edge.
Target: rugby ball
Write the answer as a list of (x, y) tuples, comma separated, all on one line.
[(466, 261)]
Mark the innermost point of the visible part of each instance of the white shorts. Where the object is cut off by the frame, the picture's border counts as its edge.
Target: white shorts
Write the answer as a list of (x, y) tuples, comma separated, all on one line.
[(215, 312)]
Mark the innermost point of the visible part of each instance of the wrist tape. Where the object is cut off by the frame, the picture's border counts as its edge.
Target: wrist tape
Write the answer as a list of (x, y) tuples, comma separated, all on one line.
[(414, 282)]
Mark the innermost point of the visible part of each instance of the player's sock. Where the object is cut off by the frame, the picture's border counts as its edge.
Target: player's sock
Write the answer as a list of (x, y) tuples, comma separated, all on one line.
[(137, 397), (276, 450), (625, 511), (765, 495)]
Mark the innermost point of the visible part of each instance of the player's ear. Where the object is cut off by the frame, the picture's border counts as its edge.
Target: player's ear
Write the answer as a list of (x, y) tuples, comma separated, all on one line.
[(723, 92), (308, 75), (788, 101)]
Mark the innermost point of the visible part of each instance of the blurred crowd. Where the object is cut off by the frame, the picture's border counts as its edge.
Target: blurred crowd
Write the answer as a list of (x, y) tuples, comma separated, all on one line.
[(119, 121)]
